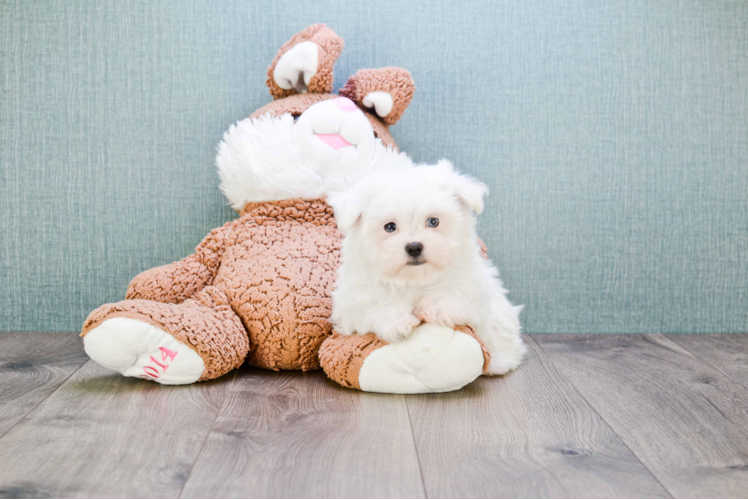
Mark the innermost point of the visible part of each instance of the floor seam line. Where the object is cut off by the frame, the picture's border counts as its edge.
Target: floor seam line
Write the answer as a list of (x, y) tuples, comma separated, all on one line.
[(415, 447), (207, 435), (45, 398), (592, 407), (705, 361)]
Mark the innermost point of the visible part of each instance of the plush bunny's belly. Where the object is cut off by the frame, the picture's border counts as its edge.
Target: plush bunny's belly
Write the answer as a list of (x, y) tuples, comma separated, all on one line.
[(279, 275)]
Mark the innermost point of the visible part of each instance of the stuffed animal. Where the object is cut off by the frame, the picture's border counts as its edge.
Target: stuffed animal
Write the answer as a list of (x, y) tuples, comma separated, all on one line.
[(257, 290)]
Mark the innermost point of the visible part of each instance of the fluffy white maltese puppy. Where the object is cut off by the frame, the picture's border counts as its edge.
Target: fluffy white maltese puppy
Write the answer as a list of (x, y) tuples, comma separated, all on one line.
[(411, 255)]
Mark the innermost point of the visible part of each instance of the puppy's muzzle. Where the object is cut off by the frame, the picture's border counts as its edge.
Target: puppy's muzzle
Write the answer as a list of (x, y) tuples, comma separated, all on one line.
[(414, 250)]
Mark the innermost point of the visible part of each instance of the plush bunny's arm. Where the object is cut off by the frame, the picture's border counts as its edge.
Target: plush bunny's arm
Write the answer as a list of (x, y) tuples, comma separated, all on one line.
[(176, 282)]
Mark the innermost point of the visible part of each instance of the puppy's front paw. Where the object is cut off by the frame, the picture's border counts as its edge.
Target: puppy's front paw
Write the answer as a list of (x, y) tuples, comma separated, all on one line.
[(398, 330), (440, 313)]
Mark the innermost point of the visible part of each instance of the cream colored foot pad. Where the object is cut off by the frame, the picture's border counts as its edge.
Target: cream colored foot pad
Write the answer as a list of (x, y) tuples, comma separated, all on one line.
[(137, 349), (432, 359)]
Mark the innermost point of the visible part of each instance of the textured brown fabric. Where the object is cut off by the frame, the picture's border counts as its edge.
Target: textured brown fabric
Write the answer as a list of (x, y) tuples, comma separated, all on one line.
[(298, 103), (342, 356), (295, 104), (176, 282), (280, 275), (205, 323), (486, 355), (329, 47), (267, 277), (395, 81)]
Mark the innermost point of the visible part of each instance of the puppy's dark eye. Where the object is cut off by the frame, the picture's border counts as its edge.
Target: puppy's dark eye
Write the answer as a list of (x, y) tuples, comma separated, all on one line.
[(390, 227), (432, 222)]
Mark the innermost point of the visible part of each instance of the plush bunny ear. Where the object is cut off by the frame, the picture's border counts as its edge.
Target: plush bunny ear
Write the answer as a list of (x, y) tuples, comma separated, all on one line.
[(348, 208), (468, 190), (387, 90), (305, 63)]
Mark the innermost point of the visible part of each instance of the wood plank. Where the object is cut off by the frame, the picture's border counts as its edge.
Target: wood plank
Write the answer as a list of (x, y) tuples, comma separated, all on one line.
[(32, 366), (104, 435), (294, 434), (528, 434), (686, 421), (727, 353)]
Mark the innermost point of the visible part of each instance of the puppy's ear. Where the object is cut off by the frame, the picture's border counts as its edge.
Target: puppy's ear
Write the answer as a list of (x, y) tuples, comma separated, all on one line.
[(468, 190), (348, 209)]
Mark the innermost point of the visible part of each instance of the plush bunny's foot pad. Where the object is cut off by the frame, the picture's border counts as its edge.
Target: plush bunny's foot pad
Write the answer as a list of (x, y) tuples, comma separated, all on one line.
[(137, 349), (432, 359), (205, 324)]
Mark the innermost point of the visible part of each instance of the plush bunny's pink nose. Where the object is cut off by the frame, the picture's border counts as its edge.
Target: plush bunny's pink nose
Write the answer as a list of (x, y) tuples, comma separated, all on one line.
[(344, 104)]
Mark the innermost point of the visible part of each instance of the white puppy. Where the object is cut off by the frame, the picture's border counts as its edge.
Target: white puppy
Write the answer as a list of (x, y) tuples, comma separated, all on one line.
[(411, 254)]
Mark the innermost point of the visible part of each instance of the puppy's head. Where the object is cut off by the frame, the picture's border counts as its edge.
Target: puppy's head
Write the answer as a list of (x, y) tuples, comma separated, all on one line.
[(409, 226)]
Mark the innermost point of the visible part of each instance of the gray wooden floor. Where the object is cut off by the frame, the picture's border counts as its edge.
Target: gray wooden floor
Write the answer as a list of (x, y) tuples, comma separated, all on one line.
[(585, 416)]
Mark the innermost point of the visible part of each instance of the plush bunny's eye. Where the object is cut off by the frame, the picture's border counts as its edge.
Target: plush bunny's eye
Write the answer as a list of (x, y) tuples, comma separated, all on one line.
[(432, 222), (390, 227)]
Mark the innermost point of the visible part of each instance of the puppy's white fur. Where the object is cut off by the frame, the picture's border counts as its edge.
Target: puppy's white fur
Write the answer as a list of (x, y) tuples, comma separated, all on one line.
[(384, 290)]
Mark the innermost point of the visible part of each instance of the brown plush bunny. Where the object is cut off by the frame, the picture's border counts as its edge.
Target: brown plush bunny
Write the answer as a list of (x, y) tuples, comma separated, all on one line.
[(258, 289)]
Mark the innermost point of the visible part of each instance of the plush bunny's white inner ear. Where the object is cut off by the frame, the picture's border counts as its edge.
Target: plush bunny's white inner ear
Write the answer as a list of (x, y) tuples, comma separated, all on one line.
[(296, 67), (380, 101)]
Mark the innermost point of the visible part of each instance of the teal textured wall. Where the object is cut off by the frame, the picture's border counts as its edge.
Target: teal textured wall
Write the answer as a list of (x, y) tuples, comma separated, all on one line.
[(613, 136)]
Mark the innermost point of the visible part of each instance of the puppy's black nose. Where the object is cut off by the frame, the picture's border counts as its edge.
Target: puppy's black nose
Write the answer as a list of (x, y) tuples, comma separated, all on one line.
[(414, 249)]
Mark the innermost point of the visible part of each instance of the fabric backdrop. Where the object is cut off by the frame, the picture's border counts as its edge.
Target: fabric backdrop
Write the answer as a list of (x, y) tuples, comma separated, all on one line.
[(613, 136)]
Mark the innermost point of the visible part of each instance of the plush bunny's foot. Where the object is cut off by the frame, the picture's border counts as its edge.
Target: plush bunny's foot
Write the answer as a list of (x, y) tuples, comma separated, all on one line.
[(137, 349), (432, 359), (205, 333)]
